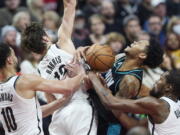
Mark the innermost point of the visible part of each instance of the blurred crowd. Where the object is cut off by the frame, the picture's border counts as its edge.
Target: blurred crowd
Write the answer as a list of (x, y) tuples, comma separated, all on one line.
[(117, 23)]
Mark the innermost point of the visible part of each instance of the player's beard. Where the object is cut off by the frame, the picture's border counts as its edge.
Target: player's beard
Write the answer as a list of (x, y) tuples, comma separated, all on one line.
[(155, 93)]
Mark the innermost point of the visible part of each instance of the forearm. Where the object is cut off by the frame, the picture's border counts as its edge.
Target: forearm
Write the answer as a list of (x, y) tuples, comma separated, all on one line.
[(66, 86), (129, 122), (105, 95), (66, 28), (48, 109), (49, 97)]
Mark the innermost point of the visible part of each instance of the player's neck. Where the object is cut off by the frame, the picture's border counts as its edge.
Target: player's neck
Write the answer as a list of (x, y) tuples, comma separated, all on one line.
[(6, 73), (172, 96), (130, 64), (45, 51)]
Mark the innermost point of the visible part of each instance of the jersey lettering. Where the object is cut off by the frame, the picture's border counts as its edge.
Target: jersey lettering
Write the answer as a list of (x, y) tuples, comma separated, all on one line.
[(52, 64), (62, 71), (6, 97)]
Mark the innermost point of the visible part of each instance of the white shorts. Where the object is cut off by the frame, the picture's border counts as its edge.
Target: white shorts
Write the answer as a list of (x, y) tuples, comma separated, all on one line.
[(74, 119)]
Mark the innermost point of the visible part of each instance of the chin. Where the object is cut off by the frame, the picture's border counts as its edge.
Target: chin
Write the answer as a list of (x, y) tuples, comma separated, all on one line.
[(155, 93)]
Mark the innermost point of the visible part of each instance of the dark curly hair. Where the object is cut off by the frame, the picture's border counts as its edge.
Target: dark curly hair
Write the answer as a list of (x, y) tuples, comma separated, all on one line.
[(173, 78), (5, 52), (32, 38), (154, 54)]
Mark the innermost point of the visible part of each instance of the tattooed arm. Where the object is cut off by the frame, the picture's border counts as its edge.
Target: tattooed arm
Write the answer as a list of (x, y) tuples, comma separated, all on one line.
[(128, 87)]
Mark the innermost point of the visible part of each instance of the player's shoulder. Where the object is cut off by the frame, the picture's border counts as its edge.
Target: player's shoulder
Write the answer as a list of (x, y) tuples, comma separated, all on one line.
[(130, 80), (119, 56)]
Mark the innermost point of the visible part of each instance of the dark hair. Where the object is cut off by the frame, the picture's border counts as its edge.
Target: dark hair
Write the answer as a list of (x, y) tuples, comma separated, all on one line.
[(32, 38), (154, 54), (129, 18), (5, 52), (173, 78)]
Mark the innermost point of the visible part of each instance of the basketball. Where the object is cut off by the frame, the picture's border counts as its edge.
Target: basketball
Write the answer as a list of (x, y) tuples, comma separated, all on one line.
[(100, 57)]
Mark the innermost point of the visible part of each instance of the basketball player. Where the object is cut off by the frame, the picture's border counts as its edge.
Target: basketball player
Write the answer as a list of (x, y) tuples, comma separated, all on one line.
[(124, 79), (77, 118), (20, 112), (162, 107)]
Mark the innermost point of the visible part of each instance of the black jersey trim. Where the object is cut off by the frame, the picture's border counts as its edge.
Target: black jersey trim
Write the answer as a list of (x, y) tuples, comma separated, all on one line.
[(15, 82), (38, 118), (6, 80), (57, 46), (92, 119)]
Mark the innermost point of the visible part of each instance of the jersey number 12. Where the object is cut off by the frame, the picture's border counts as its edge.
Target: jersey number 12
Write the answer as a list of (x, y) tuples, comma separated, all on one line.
[(9, 118)]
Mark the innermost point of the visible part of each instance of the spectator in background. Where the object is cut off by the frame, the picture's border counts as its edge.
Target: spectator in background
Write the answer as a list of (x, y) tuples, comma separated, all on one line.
[(142, 35), (144, 11), (50, 5), (173, 48), (108, 14), (116, 42), (124, 8), (8, 37), (173, 7), (159, 9), (91, 7), (80, 31), (131, 28), (174, 25), (10, 9), (36, 9), (138, 131), (51, 22), (154, 28), (20, 21), (97, 28)]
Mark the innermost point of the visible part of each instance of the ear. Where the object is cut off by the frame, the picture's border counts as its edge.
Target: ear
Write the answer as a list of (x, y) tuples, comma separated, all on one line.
[(142, 56), (168, 88), (9, 60)]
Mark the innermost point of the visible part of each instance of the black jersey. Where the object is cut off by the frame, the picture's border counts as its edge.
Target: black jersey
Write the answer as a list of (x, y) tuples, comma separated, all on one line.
[(113, 78)]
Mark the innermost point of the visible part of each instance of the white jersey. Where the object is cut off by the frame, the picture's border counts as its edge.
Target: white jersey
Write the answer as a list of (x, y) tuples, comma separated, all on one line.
[(171, 126), (19, 116), (76, 118), (51, 67)]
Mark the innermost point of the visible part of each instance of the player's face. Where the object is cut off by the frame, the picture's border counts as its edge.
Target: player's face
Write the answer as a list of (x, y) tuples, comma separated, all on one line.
[(137, 47), (159, 87)]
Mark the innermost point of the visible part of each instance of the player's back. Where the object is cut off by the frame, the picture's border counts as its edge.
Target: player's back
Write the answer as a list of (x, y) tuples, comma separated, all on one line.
[(18, 115)]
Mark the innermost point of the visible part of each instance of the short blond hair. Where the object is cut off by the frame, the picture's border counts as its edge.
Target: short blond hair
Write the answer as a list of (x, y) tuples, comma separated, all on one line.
[(114, 37), (17, 17), (52, 16)]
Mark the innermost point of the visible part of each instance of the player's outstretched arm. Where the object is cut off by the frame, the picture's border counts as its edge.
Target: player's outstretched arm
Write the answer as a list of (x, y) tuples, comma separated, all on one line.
[(146, 105), (49, 108), (35, 83), (66, 28)]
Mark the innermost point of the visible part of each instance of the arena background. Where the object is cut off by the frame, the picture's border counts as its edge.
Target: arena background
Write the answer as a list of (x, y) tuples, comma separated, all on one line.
[(117, 23)]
